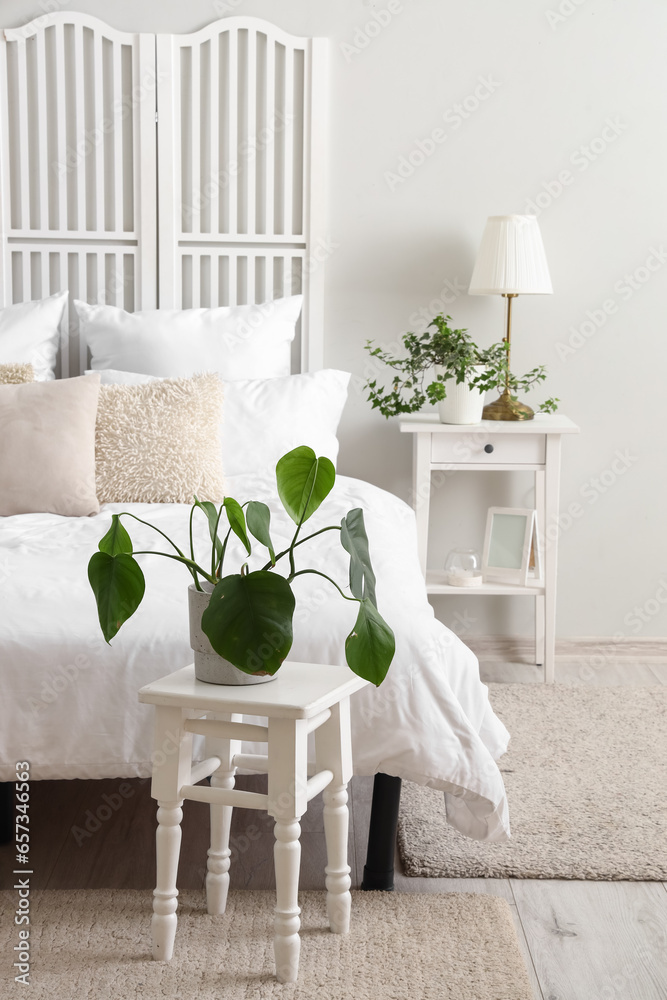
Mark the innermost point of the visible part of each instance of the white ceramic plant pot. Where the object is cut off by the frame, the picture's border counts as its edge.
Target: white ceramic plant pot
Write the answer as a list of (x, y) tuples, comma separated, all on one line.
[(462, 404), (209, 665)]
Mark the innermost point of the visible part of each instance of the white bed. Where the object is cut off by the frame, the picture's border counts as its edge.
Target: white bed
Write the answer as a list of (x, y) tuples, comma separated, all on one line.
[(68, 701)]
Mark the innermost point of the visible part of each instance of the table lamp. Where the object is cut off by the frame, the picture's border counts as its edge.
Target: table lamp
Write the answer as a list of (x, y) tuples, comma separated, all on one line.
[(510, 262)]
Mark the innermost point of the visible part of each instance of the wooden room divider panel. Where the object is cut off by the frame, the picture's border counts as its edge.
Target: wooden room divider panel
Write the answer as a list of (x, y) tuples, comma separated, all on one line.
[(240, 154), (204, 152), (78, 167)]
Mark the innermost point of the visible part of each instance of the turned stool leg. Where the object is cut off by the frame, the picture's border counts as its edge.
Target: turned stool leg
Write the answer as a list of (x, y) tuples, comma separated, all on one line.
[(338, 882), (171, 759), (288, 801), (217, 878), (219, 854), (333, 750), (286, 924), (165, 902)]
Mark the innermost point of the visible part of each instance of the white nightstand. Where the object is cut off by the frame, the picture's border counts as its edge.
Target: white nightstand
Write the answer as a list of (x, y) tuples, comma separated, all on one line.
[(504, 446)]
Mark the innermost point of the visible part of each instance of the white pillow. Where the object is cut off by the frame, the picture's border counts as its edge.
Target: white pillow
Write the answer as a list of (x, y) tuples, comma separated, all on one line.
[(262, 419), (111, 377), (235, 341), (29, 334)]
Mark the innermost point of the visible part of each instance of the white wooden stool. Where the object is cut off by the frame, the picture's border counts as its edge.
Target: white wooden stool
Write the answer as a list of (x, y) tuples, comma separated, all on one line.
[(305, 697)]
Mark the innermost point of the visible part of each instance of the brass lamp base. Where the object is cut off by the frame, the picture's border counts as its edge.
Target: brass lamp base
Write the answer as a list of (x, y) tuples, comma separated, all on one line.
[(506, 408)]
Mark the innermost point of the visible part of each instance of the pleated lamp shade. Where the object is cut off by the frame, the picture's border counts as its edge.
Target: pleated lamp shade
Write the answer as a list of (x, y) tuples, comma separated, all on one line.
[(511, 258)]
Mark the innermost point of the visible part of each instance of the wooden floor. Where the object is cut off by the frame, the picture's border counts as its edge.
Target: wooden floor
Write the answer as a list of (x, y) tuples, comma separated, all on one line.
[(582, 940)]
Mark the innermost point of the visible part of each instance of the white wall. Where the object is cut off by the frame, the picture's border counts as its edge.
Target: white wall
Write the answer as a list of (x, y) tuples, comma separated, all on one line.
[(557, 80)]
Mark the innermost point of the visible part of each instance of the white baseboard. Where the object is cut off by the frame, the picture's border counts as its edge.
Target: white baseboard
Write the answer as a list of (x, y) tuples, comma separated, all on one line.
[(640, 649)]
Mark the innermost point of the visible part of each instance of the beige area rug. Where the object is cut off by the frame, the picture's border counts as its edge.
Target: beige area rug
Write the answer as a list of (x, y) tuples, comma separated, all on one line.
[(586, 779), (96, 944)]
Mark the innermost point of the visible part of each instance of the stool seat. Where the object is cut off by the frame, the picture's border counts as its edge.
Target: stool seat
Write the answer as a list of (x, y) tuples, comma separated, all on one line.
[(299, 691), (303, 698)]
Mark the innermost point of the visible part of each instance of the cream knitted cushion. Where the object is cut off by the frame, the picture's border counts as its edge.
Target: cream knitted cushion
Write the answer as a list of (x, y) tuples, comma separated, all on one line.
[(16, 374), (159, 442)]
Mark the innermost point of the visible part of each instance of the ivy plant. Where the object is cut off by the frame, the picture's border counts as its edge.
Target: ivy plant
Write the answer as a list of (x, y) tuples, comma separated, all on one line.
[(249, 617), (458, 357)]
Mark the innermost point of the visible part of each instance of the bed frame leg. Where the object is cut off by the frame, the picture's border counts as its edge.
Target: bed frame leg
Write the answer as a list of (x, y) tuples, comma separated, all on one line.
[(6, 811), (379, 867)]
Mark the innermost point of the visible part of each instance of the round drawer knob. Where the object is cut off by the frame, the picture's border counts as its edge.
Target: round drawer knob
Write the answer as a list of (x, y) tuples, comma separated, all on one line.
[(488, 448)]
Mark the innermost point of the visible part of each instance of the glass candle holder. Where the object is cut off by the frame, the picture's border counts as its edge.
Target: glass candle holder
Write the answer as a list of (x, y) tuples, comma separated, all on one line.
[(463, 568)]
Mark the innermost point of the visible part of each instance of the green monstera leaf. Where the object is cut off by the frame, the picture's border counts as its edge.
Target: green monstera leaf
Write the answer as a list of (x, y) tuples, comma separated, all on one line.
[(249, 620), (304, 481), (370, 646), (211, 512), (258, 518), (116, 539), (355, 542), (118, 585), (236, 519)]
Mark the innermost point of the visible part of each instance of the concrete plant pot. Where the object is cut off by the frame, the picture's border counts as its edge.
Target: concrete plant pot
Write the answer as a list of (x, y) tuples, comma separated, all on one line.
[(209, 665)]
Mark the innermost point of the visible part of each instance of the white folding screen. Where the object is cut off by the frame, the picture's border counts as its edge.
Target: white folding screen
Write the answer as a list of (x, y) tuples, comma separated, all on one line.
[(78, 173), (240, 169), (231, 206)]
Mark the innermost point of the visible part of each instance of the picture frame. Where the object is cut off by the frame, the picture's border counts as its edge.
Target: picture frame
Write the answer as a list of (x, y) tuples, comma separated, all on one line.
[(510, 539)]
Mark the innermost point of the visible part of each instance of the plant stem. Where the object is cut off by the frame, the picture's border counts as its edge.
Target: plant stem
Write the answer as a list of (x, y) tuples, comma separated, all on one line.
[(332, 527), (215, 536), (316, 572), (193, 567), (192, 551), (292, 566), (298, 527), (190, 563), (148, 525), (218, 567)]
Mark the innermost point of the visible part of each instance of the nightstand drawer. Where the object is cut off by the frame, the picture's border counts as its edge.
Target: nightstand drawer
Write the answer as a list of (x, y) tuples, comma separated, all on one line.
[(513, 449)]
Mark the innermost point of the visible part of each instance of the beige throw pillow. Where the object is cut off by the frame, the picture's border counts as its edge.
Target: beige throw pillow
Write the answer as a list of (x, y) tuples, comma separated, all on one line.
[(159, 442), (47, 447), (16, 374)]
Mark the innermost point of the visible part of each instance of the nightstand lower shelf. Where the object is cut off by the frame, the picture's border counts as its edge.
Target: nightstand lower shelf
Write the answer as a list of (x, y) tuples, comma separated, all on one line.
[(435, 584)]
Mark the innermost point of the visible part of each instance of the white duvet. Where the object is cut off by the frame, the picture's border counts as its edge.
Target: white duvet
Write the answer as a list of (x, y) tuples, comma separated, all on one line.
[(68, 702)]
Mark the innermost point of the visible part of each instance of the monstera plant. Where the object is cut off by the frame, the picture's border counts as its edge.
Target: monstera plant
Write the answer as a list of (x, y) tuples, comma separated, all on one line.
[(249, 616)]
